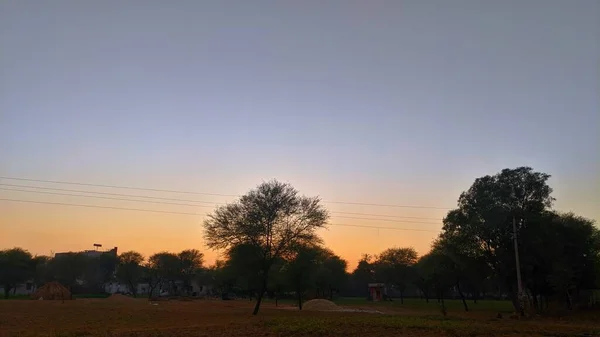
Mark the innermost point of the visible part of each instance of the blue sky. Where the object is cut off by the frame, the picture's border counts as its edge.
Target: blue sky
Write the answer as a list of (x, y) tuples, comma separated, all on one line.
[(402, 102)]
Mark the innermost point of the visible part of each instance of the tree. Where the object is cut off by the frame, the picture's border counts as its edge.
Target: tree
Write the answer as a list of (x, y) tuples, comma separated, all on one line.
[(424, 276), (223, 277), (243, 265), (566, 269), (331, 274), (394, 266), (15, 267), (130, 270), (162, 271), (273, 218), (42, 272), (363, 274), (190, 263), (487, 210), (302, 268), (68, 268), (277, 280), (98, 271)]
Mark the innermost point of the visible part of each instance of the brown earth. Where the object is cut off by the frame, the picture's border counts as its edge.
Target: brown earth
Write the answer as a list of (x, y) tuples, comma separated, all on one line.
[(120, 298), (101, 317)]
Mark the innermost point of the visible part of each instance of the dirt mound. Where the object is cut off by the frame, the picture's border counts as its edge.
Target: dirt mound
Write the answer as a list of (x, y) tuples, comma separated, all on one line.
[(320, 305), (120, 298), (52, 291)]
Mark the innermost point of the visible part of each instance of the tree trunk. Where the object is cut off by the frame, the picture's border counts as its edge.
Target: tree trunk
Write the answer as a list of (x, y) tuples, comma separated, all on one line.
[(263, 288), (569, 300), (330, 294), (6, 291), (462, 296), (133, 289), (401, 297), (299, 293), (536, 304)]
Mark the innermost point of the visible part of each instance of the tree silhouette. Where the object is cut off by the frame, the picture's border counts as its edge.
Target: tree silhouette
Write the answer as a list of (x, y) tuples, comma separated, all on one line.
[(272, 217)]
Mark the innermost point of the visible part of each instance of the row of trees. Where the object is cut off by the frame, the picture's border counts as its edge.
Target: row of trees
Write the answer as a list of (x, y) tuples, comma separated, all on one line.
[(475, 254), (559, 253), (305, 269), (75, 270), (270, 244), (82, 272)]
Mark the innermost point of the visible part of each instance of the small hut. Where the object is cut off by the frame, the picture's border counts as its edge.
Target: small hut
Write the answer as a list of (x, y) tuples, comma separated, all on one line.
[(377, 291)]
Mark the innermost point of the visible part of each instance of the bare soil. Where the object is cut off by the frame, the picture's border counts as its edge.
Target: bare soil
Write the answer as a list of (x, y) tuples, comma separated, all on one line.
[(102, 317)]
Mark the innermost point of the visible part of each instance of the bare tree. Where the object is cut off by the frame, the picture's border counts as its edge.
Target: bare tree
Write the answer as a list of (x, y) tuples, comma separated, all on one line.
[(273, 218)]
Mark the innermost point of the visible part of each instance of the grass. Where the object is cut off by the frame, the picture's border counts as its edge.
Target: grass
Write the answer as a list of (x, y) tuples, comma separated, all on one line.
[(137, 317)]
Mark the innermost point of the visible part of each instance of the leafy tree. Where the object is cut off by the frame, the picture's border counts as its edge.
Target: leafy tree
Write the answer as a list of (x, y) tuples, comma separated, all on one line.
[(163, 270), (68, 268), (566, 268), (277, 280), (363, 274), (432, 275), (302, 268), (98, 271), (273, 218), (487, 210), (331, 274), (190, 261), (42, 272), (223, 277), (424, 276), (244, 265), (130, 270), (394, 266), (15, 267)]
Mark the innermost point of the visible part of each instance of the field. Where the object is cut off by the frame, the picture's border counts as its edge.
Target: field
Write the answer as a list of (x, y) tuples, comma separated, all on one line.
[(106, 317)]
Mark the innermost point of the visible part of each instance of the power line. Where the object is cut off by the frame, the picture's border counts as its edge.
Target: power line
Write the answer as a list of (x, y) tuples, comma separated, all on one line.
[(387, 220), (115, 194), (189, 205), (98, 206), (121, 187), (188, 200), (392, 228), (99, 197), (213, 194), (186, 213)]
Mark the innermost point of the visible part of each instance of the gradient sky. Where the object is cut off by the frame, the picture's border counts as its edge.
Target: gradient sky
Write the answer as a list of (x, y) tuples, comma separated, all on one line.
[(395, 102)]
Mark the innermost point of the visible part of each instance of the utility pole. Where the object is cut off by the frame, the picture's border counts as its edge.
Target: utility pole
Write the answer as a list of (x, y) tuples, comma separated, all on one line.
[(518, 265)]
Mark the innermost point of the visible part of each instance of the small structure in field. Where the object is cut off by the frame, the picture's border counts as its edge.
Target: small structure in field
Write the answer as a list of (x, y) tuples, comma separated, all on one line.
[(377, 291), (52, 291)]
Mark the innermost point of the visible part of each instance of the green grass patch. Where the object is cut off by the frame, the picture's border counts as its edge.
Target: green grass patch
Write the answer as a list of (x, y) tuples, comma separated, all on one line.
[(15, 297), (415, 303), (91, 295)]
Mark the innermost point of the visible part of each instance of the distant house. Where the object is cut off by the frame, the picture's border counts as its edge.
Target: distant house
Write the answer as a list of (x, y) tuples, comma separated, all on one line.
[(197, 289), (90, 253), (26, 288)]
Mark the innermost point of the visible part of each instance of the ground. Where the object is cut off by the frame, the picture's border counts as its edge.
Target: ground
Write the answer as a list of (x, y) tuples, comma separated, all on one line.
[(105, 317)]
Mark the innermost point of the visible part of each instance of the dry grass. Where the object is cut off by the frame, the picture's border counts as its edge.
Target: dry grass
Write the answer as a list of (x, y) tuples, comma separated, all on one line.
[(98, 317)]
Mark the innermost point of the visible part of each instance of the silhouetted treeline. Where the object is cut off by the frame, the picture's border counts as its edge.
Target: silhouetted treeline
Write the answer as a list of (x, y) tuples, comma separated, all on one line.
[(271, 248)]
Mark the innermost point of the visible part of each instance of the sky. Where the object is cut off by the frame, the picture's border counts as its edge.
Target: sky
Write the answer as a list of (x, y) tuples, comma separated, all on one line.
[(379, 102)]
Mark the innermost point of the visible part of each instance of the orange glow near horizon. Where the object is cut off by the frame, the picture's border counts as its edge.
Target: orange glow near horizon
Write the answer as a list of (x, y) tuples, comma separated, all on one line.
[(46, 229)]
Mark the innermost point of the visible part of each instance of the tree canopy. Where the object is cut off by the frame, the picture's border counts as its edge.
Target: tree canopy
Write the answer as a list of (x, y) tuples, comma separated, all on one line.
[(273, 218)]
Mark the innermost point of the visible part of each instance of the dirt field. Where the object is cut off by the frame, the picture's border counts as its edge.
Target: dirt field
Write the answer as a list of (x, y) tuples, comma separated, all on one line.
[(101, 317)]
